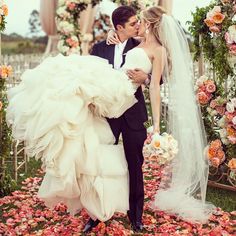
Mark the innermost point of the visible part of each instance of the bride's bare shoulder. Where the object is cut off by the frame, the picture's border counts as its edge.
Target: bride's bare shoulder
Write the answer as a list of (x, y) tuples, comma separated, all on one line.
[(158, 51)]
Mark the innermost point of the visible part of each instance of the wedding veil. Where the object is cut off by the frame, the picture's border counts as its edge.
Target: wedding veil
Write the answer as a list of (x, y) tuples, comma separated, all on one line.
[(185, 191)]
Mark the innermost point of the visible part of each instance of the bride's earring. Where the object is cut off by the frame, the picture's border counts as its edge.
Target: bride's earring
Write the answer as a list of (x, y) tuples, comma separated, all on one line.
[(147, 31)]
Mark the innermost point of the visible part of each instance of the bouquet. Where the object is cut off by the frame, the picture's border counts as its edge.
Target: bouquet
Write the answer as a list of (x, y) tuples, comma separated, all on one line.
[(161, 148)]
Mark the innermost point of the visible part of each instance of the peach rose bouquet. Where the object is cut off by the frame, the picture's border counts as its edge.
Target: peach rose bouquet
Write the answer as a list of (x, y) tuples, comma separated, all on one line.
[(160, 147)]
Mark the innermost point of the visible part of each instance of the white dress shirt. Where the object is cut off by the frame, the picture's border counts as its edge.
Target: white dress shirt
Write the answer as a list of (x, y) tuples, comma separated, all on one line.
[(118, 56)]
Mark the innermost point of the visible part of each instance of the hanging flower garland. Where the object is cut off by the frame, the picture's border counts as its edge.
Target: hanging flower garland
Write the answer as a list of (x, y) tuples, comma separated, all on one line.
[(67, 21)]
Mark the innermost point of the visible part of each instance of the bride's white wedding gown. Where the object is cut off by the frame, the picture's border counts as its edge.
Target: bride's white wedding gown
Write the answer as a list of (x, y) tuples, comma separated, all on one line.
[(49, 110)]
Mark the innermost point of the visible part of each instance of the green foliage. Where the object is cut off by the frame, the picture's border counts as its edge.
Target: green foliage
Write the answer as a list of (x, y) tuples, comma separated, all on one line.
[(2, 25), (7, 185), (6, 182), (212, 45)]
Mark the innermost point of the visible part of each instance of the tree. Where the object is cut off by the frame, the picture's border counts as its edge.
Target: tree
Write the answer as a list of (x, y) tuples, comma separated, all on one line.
[(34, 23)]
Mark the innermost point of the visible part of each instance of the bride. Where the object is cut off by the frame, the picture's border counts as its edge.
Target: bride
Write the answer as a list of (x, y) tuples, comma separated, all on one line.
[(59, 107), (184, 192)]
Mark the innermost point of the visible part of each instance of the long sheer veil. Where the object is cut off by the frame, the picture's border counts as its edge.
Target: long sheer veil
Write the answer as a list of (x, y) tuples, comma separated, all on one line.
[(184, 192)]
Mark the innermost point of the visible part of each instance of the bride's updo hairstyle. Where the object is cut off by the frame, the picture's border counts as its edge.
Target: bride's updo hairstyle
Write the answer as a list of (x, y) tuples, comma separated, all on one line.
[(153, 15)]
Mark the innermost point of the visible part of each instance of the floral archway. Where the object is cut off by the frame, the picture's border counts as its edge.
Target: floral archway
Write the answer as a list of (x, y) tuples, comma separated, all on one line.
[(214, 31)]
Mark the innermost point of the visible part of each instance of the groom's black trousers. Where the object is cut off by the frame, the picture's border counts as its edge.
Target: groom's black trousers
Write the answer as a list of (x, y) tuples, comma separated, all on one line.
[(133, 140)]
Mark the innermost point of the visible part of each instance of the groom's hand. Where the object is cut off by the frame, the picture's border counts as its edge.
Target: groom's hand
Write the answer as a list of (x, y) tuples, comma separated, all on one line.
[(137, 76)]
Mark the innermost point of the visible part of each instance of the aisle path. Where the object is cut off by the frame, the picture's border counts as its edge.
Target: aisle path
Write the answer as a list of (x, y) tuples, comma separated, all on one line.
[(23, 213)]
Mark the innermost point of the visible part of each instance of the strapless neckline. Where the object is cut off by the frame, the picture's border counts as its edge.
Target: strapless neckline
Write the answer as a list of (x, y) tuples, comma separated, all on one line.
[(144, 52)]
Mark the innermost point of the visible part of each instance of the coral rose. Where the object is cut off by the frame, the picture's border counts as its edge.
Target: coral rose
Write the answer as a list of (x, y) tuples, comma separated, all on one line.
[(216, 144), (232, 164), (215, 162), (221, 155), (203, 98), (214, 29), (218, 17), (5, 10), (209, 22), (210, 88), (212, 152)]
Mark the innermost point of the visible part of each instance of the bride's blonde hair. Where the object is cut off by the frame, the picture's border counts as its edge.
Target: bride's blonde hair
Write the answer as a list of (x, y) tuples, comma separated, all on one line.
[(153, 15)]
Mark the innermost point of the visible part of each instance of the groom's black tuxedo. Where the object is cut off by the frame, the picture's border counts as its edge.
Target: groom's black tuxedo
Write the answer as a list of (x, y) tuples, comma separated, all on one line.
[(130, 125), (137, 114)]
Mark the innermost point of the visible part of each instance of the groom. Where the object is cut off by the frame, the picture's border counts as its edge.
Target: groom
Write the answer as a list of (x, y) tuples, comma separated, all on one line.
[(130, 124)]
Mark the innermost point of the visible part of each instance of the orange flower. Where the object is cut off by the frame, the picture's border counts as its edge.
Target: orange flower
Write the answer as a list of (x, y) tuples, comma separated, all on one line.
[(5, 10), (231, 131), (209, 22), (232, 164), (221, 155), (1, 105), (216, 144), (9, 70), (209, 82), (212, 152), (218, 17), (5, 71), (157, 144)]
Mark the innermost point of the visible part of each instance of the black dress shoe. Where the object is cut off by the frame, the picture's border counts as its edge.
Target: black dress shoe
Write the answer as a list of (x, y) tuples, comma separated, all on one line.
[(139, 227), (133, 227), (90, 224)]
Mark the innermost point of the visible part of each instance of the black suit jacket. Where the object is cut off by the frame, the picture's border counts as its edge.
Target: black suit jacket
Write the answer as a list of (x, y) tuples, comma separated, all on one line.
[(137, 114)]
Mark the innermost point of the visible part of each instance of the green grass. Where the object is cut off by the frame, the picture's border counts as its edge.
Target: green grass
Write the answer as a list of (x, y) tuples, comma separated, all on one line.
[(224, 199)]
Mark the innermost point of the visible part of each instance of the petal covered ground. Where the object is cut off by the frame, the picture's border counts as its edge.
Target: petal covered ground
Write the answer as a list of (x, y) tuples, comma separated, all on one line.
[(23, 213)]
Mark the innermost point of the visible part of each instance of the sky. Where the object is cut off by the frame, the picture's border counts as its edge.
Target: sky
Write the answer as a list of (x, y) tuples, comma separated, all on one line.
[(19, 12)]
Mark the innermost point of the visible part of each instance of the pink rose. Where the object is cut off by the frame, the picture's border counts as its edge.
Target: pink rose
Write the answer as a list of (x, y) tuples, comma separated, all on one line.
[(232, 49), (71, 6), (210, 88), (229, 116), (215, 162), (214, 29), (213, 104), (228, 38), (220, 110), (234, 120), (232, 139)]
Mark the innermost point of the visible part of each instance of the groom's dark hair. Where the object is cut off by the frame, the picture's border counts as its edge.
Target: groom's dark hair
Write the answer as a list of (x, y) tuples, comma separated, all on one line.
[(121, 15)]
